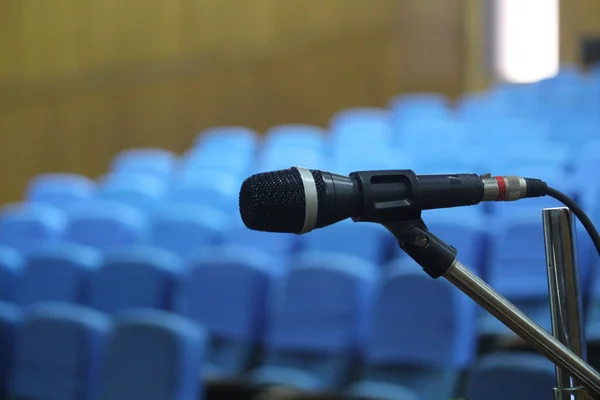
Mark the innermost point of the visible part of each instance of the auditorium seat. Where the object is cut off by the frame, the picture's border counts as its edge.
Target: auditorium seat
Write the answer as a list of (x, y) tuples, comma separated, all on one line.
[(517, 266), (136, 277), (228, 291), (184, 227), (59, 189), (58, 272), (26, 227), (104, 224), (200, 161), (141, 191), (153, 355), (273, 159), (297, 137), (11, 268), (508, 129), (440, 133), (152, 161), (318, 323), (227, 139), (215, 189), (421, 335), (359, 127), (515, 376), (10, 318), (526, 153), (275, 244), (464, 229), (58, 352), (368, 241), (410, 105)]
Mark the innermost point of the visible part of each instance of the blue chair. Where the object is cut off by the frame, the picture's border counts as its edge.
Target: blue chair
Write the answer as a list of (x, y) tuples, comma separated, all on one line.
[(58, 353), (153, 355), (59, 189), (356, 126), (318, 322), (423, 134), (463, 228), (59, 272), (104, 224), (588, 159), (10, 318), (183, 228), (152, 161), (421, 336), (527, 153), (11, 268), (26, 227), (360, 158), (370, 242), (136, 277), (271, 243), (294, 137), (141, 191), (274, 159), (575, 130), (236, 139), (201, 161), (517, 267), (506, 129), (229, 292), (419, 104), (515, 376), (214, 189)]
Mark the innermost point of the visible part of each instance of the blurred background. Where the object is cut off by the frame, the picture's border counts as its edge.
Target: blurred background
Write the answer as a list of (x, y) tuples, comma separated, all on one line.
[(83, 80), (128, 126)]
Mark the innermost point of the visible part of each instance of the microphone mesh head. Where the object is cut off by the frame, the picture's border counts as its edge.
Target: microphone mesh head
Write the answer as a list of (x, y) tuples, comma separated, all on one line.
[(273, 201)]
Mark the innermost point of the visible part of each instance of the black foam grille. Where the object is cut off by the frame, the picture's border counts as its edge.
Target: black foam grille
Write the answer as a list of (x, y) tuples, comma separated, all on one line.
[(273, 201)]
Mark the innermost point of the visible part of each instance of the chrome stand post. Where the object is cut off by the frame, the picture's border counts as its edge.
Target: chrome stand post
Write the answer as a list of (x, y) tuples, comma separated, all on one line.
[(565, 301)]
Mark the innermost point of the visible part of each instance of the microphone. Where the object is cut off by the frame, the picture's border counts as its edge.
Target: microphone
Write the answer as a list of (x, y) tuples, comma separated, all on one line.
[(299, 200)]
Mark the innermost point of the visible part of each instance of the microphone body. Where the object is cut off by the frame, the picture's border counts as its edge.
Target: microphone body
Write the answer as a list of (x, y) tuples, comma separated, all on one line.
[(298, 200)]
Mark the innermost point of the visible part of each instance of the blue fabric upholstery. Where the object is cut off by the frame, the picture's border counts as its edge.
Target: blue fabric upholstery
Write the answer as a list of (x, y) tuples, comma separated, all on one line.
[(511, 376), (212, 189), (26, 227), (136, 277), (10, 319), (318, 323), (59, 189), (104, 224), (58, 272), (229, 291), (153, 355), (59, 351), (153, 161), (141, 191), (183, 228), (11, 268), (294, 137)]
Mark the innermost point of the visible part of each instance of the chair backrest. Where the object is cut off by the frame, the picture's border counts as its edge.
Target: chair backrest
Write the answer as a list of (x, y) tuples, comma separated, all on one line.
[(361, 126), (58, 353), (515, 376), (229, 290), (104, 224), (153, 355), (11, 268), (406, 106), (135, 277), (151, 161), (10, 319), (26, 227), (367, 241), (183, 227), (420, 321), (59, 189), (141, 191), (227, 138), (272, 243), (58, 272), (294, 136), (324, 304), (213, 189)]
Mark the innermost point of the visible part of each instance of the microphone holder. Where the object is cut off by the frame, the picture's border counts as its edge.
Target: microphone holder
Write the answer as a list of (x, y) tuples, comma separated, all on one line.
[(575, 378)]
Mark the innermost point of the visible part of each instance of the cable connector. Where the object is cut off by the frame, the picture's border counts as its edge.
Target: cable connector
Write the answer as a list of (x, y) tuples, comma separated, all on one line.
[(511, 188)]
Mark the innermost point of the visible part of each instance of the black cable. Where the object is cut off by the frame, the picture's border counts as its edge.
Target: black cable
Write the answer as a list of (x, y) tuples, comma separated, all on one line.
[(579, 213)]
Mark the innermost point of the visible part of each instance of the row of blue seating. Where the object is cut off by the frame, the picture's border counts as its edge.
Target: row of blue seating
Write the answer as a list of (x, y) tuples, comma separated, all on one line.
[(55, 350)]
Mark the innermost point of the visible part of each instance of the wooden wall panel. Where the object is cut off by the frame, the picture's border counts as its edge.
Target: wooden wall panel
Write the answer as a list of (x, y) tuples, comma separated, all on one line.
[(81, 80), (579, 18)]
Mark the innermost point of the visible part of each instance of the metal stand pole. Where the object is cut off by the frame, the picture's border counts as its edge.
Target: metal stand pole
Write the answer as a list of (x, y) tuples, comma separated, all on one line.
[(565, 301), (438, 259)]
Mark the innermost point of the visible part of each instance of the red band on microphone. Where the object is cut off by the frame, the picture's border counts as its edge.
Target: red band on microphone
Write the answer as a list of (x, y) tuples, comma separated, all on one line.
[(501, 188)]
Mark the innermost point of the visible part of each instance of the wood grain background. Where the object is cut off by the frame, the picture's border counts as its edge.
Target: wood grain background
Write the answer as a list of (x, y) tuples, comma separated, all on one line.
[(83, 79)]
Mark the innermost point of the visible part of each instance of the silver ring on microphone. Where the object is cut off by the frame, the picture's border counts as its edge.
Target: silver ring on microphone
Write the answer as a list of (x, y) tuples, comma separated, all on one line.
[(312, 200)]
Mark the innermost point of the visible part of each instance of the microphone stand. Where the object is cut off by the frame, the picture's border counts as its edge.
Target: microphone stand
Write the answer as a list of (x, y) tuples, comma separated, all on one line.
[(438, 259)]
